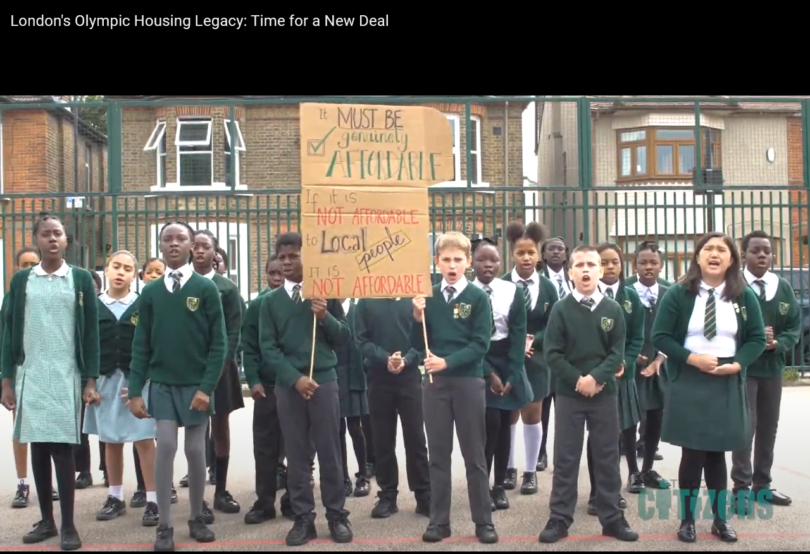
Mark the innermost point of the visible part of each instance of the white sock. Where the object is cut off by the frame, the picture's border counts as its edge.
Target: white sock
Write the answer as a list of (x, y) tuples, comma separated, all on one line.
[(117, 492), (513, 431), (532, 435), (20, 481), (151, 496)]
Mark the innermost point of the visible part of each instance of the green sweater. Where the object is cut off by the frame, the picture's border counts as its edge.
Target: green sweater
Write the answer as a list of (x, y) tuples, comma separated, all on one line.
[(232, 308), (580, 341), (257, 371), (285, 338), (180, 338), (783, 314), (87, 338), (116, 337), (633, 311), (514, 356), (382, 326), (459, 332)]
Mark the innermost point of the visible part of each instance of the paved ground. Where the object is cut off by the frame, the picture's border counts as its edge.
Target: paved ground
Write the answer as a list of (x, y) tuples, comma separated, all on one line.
[(518, 526)]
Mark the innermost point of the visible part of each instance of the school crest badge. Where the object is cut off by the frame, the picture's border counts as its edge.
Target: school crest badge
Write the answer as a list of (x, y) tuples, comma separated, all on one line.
[(81, 299), (628, 306), (134, 319), (192, 303), (464, 310), (607, 324), (784, 308)]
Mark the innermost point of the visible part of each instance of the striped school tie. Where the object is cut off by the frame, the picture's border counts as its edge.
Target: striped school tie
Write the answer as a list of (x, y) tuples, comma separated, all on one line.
[(560, 288), (587, 302), (296, 296), (451, 293), (761, 284), (710, 319), (176, 276), (527, 295), (488, 290), (609, 294)]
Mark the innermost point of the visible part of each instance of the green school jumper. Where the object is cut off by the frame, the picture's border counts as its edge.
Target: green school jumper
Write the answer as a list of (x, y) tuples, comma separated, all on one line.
[(580, 341), (651, 389), (350, 372), (702, 411), (459, 332), (285, 338), (180, 345), (116, 337), (506, 356), (782, 313), (633, 310), (257, 371), (536, 320)]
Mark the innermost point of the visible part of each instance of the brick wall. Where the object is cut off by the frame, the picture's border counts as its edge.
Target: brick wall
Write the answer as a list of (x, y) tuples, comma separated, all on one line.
[(798, 199), (272, 161), (38, 160)]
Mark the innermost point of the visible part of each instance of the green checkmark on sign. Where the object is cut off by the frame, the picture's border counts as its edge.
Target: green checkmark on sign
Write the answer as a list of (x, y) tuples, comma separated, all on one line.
[(317, 145)]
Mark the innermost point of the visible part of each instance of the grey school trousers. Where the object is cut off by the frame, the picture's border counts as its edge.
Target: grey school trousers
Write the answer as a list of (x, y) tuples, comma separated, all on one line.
[(458, 402)]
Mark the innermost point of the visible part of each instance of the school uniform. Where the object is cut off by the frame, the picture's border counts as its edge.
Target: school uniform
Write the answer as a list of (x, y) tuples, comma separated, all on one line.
[(381, 327), (285, 339), (585, 340), (564, 287), (266, 427), (633, 279), (459, 328), (51, 342), (763, 384), (507, 350), (707, 415), (111, 419), (228, 394), (180, 345), (650, 389)]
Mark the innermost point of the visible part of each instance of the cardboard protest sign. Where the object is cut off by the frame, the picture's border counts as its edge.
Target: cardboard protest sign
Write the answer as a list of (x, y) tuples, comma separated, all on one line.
[(365, 173)]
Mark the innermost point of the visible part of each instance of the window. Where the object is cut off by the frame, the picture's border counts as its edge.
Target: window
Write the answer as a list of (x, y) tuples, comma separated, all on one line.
[(460, 151), (157, 142), (88, 165), (240, 147), (195, 153), (456, 127), (665, 153)]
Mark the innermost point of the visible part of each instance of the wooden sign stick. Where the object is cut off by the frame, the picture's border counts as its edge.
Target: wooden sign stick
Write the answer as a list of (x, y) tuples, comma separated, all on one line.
[(427, 350), (314, 330)]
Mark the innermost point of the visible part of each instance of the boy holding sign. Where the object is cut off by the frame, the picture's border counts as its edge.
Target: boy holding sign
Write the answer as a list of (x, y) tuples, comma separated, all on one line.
[(459, 327), (308, 408)]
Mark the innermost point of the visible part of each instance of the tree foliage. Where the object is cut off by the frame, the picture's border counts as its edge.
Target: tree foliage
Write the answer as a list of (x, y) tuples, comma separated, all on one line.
[(96, 116)]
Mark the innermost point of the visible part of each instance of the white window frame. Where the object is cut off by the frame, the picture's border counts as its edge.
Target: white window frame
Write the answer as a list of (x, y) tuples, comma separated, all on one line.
[(208, 142), (455, 119), (157, 142), (240, 147), (221, 229)]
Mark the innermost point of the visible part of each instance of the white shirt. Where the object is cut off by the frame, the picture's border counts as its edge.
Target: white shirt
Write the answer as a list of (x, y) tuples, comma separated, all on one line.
[(771, 283), (724, 344), (647, 294), (61, 272), (288, 286), (614, 288), (118, 305), (460, 285), (596, 296), (210, 275), (533, 283), (503, 294), (559, 280), (346, 304), (185, 274)]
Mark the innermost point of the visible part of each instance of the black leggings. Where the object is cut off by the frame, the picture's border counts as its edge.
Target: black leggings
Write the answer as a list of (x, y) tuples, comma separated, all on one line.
[(370, 457), (694, 465), (355, 427), (652, 436), (62, 454), (499, 442), (546, 415)]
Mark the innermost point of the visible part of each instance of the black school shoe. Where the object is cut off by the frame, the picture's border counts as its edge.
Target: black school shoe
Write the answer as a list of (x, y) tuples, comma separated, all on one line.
[(138, 499), (199, 531), (341, 530), (620, 530), (554, 531), (70, 539), (259, 514), (151, 515), (303, 531), (384, 508), (510, 482), (542, 462), (362, 486), (112, 509), (174, 495), (164, 539), (42, 531), (347, 487), (499, 499), (21, 498), (184, 481), (224, 502), (83, 481), (436, 533), (486, 534), (529, 485), (207, 515)]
